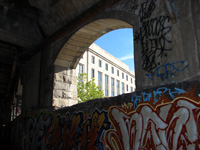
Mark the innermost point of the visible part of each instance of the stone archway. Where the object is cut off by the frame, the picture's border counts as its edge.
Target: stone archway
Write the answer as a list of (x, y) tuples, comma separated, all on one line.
[(65, 92), (72, 51)]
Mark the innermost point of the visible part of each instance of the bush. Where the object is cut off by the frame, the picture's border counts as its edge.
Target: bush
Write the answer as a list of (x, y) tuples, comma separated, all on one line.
[(88, 90)]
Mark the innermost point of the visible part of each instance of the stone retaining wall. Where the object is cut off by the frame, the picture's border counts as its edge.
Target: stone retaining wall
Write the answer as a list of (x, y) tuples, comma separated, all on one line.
[(65, 87)]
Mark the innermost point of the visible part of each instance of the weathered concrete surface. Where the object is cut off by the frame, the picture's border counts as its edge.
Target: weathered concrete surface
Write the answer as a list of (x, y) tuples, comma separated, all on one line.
[(18, 24)]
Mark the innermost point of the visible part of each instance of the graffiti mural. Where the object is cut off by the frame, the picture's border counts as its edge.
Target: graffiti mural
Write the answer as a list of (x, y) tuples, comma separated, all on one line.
[(77, 132), (60, 132), (169, 126), (164, 118)]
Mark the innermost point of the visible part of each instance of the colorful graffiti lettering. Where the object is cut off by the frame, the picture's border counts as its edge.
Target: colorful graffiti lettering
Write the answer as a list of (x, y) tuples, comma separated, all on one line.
[(77, 133), (163, 118), (170, 126), (155, 95), (165, 71)]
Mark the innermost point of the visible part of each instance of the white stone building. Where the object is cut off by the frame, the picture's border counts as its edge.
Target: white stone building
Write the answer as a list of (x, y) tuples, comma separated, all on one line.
[(110, 73)]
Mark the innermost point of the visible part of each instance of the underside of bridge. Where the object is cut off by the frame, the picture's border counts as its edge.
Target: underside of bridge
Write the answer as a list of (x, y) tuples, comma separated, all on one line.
[(40, 38), (28, 29), (38, 35)]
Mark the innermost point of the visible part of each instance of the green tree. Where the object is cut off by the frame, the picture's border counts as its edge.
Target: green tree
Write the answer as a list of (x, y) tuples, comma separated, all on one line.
[(88, 90)]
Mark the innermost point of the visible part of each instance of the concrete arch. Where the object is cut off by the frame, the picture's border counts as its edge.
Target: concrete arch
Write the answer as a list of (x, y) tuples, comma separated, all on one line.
[(74, 48)]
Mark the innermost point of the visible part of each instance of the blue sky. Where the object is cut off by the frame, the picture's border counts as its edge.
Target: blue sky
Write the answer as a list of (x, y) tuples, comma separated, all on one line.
[(119, 43)]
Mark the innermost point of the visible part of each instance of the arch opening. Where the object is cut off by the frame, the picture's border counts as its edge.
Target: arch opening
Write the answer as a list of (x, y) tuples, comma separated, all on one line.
[(74, 48), (107, 63), (65, 84)]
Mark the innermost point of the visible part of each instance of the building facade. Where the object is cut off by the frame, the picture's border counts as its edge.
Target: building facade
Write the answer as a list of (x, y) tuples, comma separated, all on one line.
[(112, 75)]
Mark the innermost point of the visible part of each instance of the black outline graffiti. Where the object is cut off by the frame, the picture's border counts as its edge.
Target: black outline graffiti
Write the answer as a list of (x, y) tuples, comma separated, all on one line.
[(146, 9), (153, 35)]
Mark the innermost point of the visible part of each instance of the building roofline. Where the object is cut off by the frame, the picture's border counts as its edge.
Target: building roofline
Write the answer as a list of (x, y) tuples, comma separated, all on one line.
[(130, 73)]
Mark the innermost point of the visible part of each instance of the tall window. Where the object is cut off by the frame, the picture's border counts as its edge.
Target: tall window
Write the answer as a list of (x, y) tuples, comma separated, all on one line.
[(93, 60), (80, 69), (126, 77), (118, 89), (122, 75), (106, 66), (127, 88), (112, 87), (112, 69), (99, 63), (92, 73), (122, 87), (100, 79), (131, 80), (106, 85), (118, 73)]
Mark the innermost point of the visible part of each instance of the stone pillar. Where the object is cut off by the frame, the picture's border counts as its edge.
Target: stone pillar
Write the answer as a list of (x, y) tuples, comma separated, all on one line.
[(166, 49), (65, 87)]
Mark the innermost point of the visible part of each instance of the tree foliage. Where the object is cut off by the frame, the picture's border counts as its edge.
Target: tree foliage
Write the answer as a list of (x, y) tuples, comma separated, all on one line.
[(88, 90)]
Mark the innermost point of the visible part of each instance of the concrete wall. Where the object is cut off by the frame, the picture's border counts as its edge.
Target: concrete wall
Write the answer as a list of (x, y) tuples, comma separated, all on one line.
[(166, 117)]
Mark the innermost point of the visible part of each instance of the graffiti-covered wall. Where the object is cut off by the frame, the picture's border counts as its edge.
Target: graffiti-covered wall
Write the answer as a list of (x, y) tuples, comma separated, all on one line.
[(160, 118), (165, 44)]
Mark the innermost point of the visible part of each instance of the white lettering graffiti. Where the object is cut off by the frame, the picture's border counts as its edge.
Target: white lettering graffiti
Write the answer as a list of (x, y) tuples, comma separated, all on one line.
[(170, 126)]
